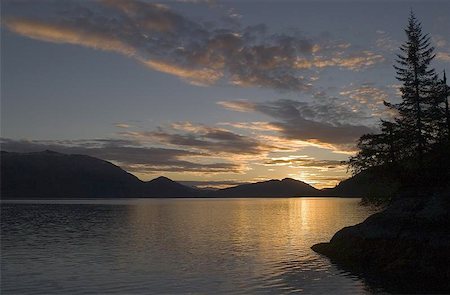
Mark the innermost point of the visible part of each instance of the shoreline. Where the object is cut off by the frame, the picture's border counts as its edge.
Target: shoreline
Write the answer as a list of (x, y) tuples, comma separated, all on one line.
[(170, 198), (25, 200), (405, 247)]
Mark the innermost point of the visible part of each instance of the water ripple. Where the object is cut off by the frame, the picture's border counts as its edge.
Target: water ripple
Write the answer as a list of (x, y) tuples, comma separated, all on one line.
[(237, 246)]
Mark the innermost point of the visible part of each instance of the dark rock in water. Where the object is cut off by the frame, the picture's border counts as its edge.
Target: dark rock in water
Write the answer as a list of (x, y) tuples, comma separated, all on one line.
[(406, 248)]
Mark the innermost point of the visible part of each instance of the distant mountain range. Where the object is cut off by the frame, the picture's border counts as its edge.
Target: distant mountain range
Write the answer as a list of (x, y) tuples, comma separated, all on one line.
[(287, 187), (50, 174)]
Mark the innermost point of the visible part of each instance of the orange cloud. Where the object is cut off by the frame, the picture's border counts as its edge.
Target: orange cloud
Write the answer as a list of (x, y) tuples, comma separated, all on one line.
[(122, 125), (238, 105), (169, 42), (443, 56), (200, 77), (58, 33), (355, 62), (259, 126)]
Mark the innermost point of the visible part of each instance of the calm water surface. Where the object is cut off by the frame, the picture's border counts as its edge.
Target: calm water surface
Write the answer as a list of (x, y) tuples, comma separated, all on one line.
[(174, 246)]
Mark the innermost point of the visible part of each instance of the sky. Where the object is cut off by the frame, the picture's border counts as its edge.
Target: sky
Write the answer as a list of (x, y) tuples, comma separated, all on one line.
[(212, 92)]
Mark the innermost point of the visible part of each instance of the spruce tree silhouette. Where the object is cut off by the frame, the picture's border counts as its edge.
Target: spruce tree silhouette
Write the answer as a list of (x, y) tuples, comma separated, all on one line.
[(414, 147), (445, 95)]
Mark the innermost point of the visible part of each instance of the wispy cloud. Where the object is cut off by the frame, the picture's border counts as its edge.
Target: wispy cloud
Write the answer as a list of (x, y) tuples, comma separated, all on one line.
[(366, 94), (209, 2), (325, 123), (320, 173), (356, 61), (385, 41), (67, 33), (443, 56), (305, 162), (169, 42), (368, 98), (212, 184), (206, 139), (200, 77), (238, 105), (256, 126), (442, 48), (122, 125)]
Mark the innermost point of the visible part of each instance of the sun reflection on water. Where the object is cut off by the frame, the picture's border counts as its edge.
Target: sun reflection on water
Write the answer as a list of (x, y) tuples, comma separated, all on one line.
[(175, 246), (268, 240)]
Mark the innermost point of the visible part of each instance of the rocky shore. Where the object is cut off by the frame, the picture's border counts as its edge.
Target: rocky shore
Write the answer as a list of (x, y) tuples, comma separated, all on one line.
[(405, 248)]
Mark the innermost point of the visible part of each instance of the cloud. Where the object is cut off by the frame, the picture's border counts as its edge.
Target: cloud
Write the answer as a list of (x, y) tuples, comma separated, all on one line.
[(305, 162), (146, 161), (185, 167), (122, 125), (257, 126), (385, 41), (443, 56), (320, 173), (324, 181), (358, 60), (212, 184), (204, 139), (354, 61), (65, 33), (367, 98), (129, 155), (209, 2), (198, 77), (238, 105), (324, 109), (321, 123), (198, 52), (366, 94), (442, 48), (439, 40)]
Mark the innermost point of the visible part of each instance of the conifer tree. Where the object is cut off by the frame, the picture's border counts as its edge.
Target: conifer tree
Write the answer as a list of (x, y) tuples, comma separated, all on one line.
[(434, 115), (413, 151), (445, 95), (413, 70), (378, 149)]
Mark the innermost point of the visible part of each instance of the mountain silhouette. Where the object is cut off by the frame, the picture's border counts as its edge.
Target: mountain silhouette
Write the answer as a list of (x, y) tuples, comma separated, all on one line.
[(374, 181), (355, 186), (50, 174), (287, 187), (164, 187)]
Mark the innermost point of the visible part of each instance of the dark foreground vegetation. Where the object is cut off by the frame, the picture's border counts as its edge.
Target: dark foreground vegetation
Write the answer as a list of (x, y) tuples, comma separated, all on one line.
[(406, 247), (412, 150)]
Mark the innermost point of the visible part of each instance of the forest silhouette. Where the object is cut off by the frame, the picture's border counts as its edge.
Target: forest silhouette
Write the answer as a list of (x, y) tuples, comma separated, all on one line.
[(411, 153)]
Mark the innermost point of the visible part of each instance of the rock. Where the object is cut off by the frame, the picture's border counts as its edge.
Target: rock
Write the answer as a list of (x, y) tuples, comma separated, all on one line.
[(406, 247)]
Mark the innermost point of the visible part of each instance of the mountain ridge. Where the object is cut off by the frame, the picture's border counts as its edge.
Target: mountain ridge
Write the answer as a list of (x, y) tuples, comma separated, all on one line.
[(286, 187), (49, 174), (53, 175)]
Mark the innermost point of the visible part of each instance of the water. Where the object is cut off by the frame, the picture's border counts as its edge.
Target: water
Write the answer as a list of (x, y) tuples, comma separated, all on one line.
[(174, 246)]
